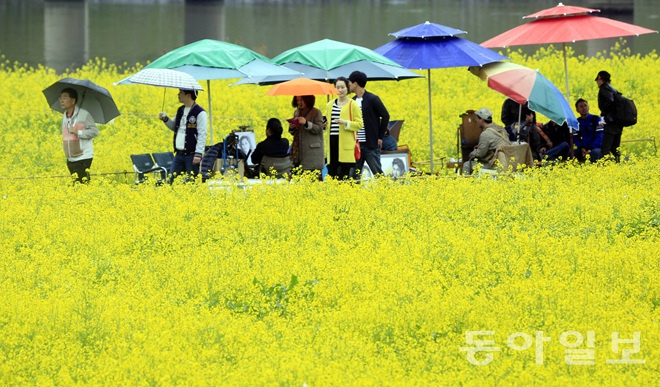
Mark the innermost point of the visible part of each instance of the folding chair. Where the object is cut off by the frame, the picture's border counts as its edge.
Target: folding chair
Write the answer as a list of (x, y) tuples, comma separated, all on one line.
[(394, 127), (164, 159), (282, 166), (144, 164)]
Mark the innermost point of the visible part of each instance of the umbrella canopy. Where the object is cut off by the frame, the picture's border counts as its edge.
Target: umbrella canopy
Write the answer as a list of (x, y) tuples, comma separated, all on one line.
[(438, 52), (163, 78), (564, 24), (302, 86), (328, 54), (428, 46), (375, 72), (523, 84), (210, 59), (92, 97)]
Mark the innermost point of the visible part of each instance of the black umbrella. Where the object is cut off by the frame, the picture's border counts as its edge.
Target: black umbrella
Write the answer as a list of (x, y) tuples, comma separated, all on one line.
[(92, 97)]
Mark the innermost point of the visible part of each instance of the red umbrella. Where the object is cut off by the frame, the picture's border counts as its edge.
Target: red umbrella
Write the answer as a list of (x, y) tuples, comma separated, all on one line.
[(565, 24)]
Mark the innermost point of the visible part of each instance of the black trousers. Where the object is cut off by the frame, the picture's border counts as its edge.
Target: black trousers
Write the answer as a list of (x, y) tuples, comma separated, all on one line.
[(80, 168), (612, 140)]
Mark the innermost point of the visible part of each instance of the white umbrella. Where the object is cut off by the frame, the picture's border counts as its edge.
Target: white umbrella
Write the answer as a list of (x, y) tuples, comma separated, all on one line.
[(162, 78)]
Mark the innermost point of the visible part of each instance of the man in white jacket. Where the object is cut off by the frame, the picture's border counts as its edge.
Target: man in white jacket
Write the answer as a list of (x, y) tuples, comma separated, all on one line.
[(78, 132)]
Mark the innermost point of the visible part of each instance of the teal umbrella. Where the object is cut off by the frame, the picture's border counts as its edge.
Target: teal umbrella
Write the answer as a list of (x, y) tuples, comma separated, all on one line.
[(328, 54), (210, 59)]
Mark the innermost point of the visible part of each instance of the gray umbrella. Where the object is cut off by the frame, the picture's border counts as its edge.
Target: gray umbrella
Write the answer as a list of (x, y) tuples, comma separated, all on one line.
[(92, 97)]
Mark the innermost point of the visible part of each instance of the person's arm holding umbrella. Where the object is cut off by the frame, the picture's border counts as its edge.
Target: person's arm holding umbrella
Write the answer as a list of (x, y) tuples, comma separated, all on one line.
[(166, 120)]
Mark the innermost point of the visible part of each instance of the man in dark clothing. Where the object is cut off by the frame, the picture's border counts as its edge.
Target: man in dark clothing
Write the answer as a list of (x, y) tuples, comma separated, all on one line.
[(274, 145), (375, 117), (510, 113), (613, 130), (554, 141)]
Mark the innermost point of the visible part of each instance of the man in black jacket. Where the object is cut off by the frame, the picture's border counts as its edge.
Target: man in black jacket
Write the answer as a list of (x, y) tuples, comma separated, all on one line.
[(613, 130), (375, 118)]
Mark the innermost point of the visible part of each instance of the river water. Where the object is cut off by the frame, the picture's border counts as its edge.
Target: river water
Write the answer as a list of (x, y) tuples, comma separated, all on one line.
[(66, 34)]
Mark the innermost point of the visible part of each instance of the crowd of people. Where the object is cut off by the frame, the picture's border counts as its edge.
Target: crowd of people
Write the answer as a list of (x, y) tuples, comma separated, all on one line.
[(358, 122), (598, 136)]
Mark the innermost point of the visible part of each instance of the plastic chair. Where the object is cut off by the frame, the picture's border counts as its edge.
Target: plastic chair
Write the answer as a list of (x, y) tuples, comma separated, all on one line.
[(282, 166), (144, 164)]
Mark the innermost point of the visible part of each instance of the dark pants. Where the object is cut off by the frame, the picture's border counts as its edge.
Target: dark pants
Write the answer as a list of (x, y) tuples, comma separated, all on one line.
[(612, 141), (337, 169), (340, 171), (80, 168), (562, 150), (183, 163), (372, 157)]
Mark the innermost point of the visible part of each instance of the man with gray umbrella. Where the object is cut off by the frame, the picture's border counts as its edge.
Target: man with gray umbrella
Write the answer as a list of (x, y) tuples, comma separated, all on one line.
[(78, 132)]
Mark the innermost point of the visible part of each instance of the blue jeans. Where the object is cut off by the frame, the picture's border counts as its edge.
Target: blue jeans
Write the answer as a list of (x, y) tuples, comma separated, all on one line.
[(372, 157), (560, 150), (183, 163)]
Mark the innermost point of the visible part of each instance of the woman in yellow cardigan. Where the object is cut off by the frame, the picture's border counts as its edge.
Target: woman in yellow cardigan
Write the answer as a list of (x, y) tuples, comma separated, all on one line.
[(345, 120)]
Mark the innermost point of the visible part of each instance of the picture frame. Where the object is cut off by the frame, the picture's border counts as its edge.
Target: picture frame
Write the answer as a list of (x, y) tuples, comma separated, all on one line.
[(393, 163), (247, 142)]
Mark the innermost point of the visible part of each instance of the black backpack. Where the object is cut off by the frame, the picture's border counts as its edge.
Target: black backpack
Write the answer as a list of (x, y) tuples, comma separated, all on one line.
[(625, 111)]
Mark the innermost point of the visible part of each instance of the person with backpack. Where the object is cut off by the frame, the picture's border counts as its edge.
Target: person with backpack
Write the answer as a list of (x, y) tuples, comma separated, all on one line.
[(589, 140), (607, 105)]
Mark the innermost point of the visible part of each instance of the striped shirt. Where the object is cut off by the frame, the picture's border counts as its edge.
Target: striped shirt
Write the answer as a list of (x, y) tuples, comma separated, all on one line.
[(334, 127), (361, 135)]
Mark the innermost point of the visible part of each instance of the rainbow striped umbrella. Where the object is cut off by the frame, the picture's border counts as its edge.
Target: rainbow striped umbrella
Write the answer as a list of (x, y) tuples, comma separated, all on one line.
[(523, 84)]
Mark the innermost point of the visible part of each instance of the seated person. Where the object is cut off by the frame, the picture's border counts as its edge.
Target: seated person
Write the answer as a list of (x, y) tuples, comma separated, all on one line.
[(491, 137), (389, 142), (274, 145), (554, 141), (530, 133), (510, 113), (589, 140)]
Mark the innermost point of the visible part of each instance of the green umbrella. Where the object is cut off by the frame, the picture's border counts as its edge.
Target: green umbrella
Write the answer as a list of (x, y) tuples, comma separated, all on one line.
[(208, 53), (328, 54), (209, 59)]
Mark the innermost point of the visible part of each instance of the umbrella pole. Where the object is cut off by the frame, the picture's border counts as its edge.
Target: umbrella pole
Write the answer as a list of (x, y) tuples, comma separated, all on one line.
[(568, 98), (568, 91), (430, 119), (519, 120), (210, 130), (162, 109)]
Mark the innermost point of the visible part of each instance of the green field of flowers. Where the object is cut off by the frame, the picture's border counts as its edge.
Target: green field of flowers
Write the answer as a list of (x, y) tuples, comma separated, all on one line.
[(551, 274)]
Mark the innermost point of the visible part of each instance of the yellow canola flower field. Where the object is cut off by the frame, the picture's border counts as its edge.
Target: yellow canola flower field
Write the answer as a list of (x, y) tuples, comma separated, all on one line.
[(552, 274)]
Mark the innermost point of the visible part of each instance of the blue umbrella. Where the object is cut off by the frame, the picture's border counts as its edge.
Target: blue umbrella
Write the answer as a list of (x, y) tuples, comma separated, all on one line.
[(429, 46)]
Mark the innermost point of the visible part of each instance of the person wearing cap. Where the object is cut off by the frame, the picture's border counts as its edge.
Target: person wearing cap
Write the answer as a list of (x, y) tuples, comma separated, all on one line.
[(613, 130), (189, 129), (491, 137)]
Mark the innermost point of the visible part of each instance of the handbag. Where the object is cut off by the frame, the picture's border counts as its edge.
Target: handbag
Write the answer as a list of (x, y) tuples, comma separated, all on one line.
[(356, 152)]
